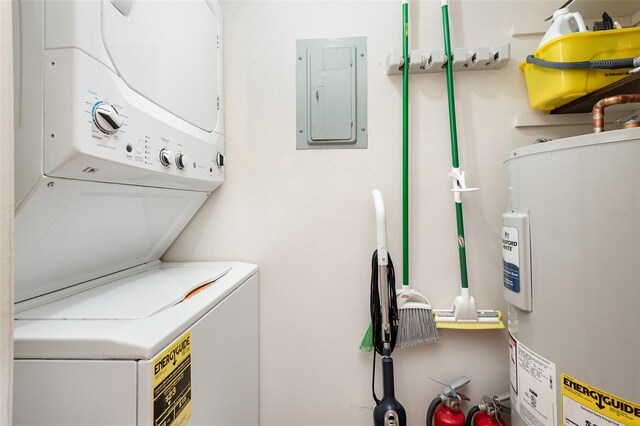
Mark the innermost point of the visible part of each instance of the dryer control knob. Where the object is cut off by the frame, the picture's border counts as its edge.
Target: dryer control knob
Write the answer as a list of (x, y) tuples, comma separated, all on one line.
[(106, 118), (165, 157), (181, 161), (220, 160)]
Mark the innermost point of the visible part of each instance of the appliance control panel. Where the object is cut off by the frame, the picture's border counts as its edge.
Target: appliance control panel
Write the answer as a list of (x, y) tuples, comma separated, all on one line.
[(116, 135)]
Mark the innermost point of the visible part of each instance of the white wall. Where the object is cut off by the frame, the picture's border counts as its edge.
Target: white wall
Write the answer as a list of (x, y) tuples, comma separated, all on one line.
[(6, 212), (306, 217)]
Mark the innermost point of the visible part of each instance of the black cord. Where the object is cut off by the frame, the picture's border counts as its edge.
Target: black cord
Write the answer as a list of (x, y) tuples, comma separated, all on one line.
[(432, 409), (376, 314), (602, 64), (375, 307), (373, 380), (472, 412)]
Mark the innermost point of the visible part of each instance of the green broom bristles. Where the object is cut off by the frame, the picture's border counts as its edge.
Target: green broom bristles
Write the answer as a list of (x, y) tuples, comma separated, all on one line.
[(367, 340)]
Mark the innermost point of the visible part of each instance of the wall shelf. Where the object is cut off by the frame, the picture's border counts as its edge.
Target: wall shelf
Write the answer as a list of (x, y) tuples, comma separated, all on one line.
[(545, 120), (578, 111), (627, 85)]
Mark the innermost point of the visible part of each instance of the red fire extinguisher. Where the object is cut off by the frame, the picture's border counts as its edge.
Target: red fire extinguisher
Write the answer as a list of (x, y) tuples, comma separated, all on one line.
[(489, 412), (445, 415), (445, 410), (483, 419)]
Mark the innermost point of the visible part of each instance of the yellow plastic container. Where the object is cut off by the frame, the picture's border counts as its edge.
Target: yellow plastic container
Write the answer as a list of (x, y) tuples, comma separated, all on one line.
[(550, 88)]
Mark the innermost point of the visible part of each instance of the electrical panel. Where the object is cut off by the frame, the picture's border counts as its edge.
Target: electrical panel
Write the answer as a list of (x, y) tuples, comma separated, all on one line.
[(331, 93)]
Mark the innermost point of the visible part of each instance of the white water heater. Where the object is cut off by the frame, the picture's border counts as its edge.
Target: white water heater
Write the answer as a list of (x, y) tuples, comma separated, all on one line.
[(572, 279)]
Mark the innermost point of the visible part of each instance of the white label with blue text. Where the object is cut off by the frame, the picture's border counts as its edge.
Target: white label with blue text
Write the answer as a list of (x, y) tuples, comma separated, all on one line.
[(511, 259)]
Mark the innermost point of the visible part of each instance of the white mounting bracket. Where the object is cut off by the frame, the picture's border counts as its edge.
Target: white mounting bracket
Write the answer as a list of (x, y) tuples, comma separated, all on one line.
[(459, 184), (477, 59)]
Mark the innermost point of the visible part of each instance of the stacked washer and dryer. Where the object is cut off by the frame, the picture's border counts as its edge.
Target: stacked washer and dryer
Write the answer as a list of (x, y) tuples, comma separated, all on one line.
[(119, 142)]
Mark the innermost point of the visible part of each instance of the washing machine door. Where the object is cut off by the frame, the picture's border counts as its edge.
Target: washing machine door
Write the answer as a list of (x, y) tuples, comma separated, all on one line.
[(168, 51)]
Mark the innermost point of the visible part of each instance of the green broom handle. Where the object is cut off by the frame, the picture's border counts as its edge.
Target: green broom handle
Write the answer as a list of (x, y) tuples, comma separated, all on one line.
[(405, 143), (462, 254)]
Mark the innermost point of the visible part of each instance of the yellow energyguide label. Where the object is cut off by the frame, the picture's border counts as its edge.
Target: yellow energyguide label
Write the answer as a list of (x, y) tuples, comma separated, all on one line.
[(172, 384), (585, 405)]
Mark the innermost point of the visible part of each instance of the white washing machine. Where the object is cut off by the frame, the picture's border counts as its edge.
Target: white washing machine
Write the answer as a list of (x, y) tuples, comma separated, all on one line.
[(119, 141), (134, 351)]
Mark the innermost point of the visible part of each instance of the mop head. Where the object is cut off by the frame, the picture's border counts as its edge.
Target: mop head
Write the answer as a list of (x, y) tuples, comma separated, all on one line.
[(487, 320), (464, 316), (416, 324)]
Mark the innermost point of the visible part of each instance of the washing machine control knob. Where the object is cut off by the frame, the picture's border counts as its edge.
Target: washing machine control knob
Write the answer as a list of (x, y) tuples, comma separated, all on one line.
[(106, 117), (165, 157), (181, 161)]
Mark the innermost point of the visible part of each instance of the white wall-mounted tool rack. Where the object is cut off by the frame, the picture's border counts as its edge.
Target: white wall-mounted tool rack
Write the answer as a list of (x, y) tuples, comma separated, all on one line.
[(478, 59)]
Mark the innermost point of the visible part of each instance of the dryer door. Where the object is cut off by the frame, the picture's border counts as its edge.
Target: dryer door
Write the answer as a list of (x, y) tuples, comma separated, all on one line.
[(168, 51)]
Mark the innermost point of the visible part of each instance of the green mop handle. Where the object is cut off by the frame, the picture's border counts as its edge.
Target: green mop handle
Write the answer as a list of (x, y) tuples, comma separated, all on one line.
[(405, 143), (462, 254)]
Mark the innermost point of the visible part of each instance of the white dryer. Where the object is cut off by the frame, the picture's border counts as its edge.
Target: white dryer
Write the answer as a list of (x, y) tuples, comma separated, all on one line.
[(119, 141)]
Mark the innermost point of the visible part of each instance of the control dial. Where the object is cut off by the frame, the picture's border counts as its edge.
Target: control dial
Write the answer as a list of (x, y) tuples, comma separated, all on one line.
[(220, 160), (106, 118), (165, 157), (181, 161)]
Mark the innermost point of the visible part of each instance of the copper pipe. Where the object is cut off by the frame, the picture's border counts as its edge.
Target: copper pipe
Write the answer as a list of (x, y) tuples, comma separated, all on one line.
[(598, 108)]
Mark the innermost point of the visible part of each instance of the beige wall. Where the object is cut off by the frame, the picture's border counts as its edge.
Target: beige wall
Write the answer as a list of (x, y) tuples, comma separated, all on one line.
[(306, 217), (6, 213)]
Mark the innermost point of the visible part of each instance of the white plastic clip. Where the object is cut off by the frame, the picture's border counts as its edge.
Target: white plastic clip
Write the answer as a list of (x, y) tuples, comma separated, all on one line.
[(395, 61), (480, 57), (436, 60), (459, 184), (500, 56), (461, 58), (418, 62)]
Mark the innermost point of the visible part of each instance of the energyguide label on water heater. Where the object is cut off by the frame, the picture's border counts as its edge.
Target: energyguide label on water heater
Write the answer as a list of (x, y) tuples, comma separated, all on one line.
[(585, 405), (172, 384), (533, 380)]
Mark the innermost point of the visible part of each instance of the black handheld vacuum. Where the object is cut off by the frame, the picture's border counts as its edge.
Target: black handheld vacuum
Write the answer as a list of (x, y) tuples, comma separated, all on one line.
[(384, 319)]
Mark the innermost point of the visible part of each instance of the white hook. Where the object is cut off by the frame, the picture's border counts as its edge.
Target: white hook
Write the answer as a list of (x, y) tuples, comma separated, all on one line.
[(459, 184)]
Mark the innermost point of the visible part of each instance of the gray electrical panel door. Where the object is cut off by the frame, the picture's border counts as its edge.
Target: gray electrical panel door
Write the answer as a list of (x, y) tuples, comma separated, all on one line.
[(331, 93), (332, 88)]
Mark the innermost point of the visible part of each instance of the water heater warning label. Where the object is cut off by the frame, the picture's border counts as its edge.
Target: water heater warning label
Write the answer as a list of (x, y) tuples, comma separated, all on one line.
[(511, 258), (586, 405), (535, 387), (172, 384)]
